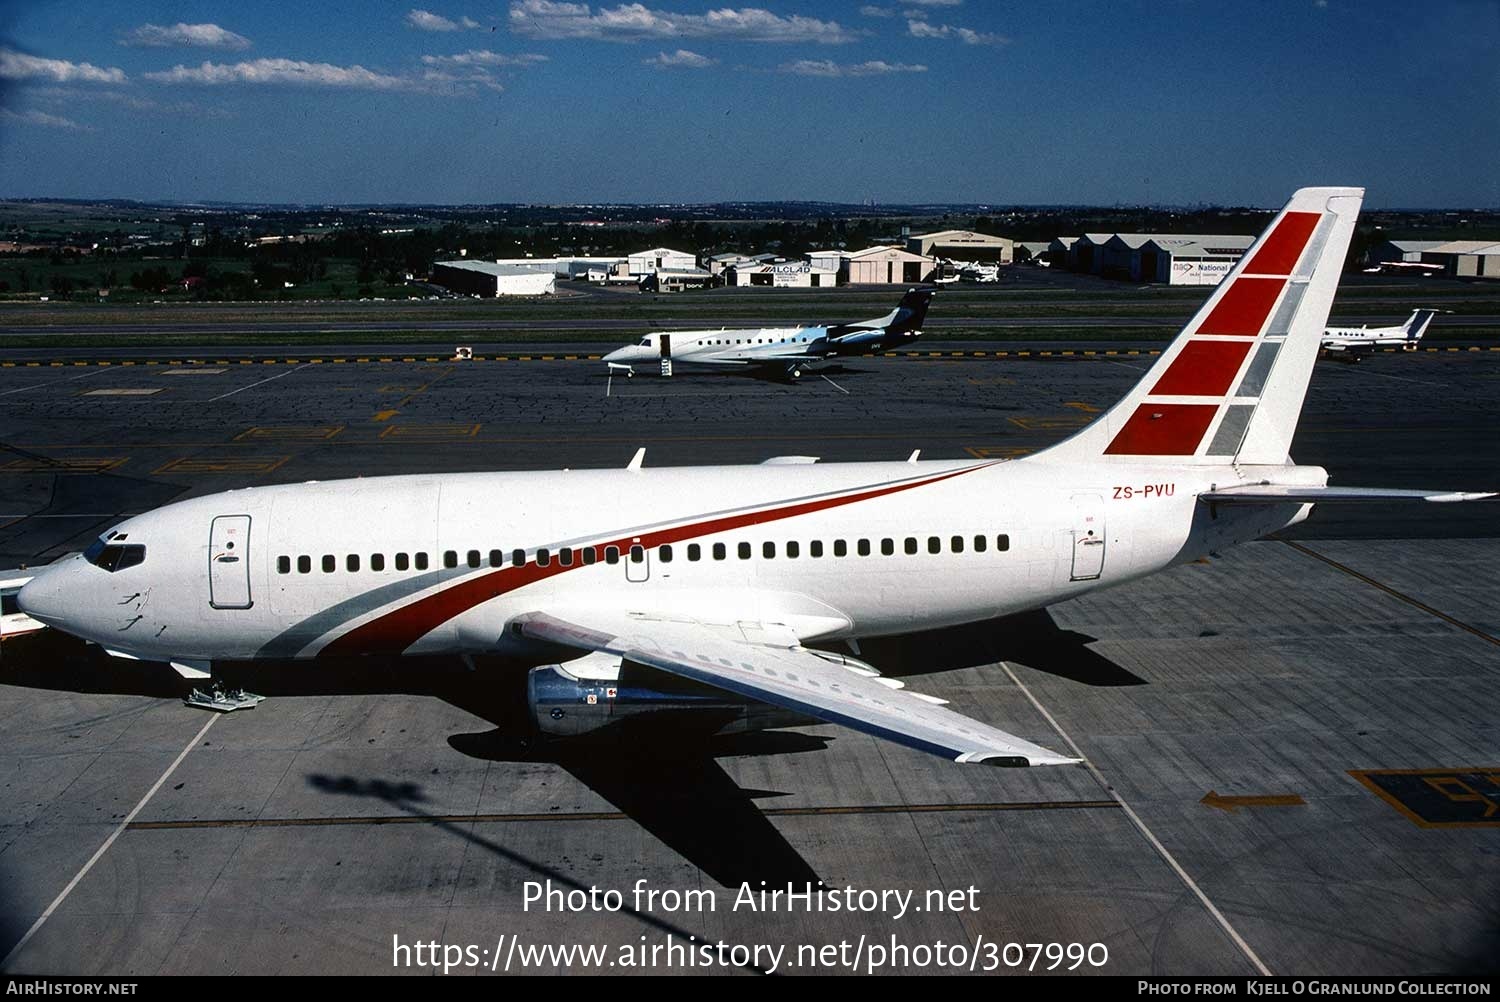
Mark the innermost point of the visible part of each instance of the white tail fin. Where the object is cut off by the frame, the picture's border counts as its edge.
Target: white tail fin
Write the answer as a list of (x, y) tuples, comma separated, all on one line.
[(1230, 387)]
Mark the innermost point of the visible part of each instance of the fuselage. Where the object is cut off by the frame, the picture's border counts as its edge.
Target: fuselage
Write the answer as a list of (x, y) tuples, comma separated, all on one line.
[(759, 346), (427, 564)]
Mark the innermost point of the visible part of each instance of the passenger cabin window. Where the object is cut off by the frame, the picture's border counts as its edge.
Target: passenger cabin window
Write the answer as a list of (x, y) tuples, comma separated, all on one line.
[(403, 562), (565, 556), (981, 544), (957, 544), (637, 554), (863, 547), (1002, 543), (695, 552), (330, 563), (474, 558), (377, 561), (283, 565), (518, 558), (911, 544), (304, 564), (840, 548), (543, 558), (665, 553), (590, 555), (450, 558), (793, 550), (420, 559), (887, 546), (744, 549), (768, 550), (934, 544), (720, 552), (496, 558), (815, 548), (611, 554), (351, 562)]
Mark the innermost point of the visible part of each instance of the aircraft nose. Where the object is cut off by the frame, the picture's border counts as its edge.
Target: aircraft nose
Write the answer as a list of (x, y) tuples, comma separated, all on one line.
[(43, 597), (618, 355)]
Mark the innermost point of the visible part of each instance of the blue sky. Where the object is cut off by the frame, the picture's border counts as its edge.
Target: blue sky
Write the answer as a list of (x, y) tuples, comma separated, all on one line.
[(1165, 102)]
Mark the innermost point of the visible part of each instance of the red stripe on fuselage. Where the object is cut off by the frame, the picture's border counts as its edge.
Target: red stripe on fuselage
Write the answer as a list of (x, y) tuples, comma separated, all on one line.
[(1202, 369), (398, 629), (1279, 254), (1242, 311)]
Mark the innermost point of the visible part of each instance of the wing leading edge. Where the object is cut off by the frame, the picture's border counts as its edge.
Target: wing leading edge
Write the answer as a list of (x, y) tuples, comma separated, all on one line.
[(791, 677)]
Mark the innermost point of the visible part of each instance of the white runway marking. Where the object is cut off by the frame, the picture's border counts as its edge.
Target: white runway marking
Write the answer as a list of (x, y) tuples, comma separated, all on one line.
[(1405, 379), (57, 901), (609, 384), (836, 386), (1135, 818), (279, 375), (49, 382)]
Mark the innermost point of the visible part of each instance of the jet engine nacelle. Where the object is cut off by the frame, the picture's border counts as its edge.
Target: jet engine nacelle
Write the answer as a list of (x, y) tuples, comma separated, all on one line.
[(569, 703)]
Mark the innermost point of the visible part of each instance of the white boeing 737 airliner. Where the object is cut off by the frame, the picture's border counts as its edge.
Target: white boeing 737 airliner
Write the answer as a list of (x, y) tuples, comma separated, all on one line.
[(703, 586)]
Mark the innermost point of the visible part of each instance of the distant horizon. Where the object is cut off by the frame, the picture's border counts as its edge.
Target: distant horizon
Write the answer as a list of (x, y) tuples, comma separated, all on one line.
[(693, 102), (660, 203)]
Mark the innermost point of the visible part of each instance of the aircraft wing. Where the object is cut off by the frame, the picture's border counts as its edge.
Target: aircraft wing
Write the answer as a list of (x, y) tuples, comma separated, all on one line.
[(792, 677)]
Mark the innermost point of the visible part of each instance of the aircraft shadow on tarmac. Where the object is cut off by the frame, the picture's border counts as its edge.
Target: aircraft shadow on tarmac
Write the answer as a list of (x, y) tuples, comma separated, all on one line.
[(663, 774)]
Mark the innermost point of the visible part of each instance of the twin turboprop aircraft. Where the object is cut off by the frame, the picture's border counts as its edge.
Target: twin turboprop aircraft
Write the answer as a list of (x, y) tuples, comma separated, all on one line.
[(703, 591), (1356, 340), (785, 349)]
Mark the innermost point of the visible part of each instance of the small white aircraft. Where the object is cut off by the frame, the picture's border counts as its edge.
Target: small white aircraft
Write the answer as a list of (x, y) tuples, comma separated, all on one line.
[(789, 349), (702, 590), (1354, 340)]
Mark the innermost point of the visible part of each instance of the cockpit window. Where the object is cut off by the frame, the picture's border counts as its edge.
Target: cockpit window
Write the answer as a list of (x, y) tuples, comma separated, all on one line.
[(645, 342), (114, 557)]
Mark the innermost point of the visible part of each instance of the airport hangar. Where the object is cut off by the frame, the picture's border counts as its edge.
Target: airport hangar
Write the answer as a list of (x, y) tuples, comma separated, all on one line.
[(963, 245), (490, 280)]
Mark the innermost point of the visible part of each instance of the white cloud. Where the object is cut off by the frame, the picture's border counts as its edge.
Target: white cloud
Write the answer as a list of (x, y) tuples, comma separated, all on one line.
[(426, 20), (39, 118), (180, 35), (285, 71), (131, 100), (634, 22), (20, 66), (484, 57), (829, 68), (870, 10), (934, 3), (681, 59), (925, 29)]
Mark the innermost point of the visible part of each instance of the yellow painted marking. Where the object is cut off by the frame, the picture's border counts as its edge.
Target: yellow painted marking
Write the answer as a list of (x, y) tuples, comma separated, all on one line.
[(226, 464), (995, 451), (76, 464), (385, 415), (292, 432), (1049, 423), (1080, 405), (1230, 804), (430, 432)]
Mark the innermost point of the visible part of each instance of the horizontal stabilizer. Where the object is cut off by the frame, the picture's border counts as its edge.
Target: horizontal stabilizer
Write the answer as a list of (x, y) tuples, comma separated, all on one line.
[(1272, 494)]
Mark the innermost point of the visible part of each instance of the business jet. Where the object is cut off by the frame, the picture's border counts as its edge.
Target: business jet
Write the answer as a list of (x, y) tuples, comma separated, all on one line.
[(787, 349), (1356, 340), (716, 590)]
